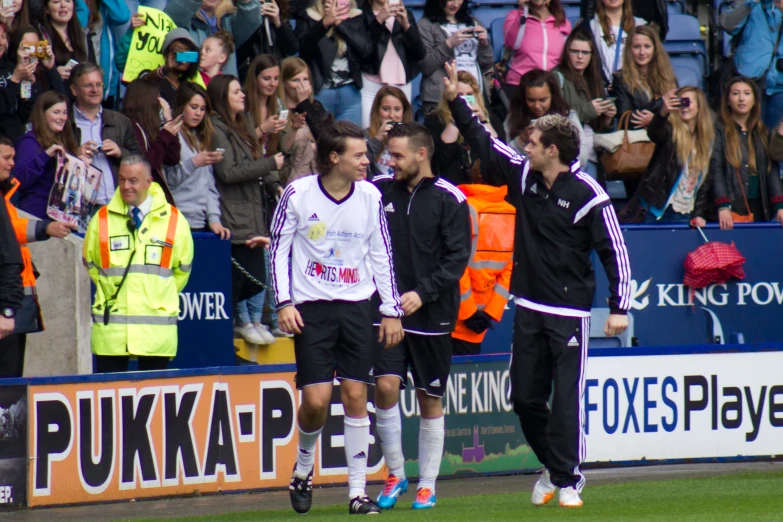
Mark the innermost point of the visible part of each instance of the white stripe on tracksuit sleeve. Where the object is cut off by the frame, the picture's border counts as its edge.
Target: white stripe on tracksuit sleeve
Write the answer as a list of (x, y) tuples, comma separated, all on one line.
[(284, 226), (382, 263)]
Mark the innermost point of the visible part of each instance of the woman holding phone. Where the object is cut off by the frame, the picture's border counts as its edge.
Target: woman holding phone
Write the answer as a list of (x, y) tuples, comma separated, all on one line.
[(450, 32), (397, 50), (242, 202), (452, 160), (536, 33), (676, 186), (274, 36), (334, 40), (262, 85), (746, 182), (192, 181), (389, 108), (155, 128), (15, 14), (646, 74), (579, 73)]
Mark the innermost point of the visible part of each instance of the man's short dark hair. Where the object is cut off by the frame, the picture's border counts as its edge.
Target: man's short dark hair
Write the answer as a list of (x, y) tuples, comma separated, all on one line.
[(6, 141), (417, 134), (562, 133), (334, 139), (83, 69)]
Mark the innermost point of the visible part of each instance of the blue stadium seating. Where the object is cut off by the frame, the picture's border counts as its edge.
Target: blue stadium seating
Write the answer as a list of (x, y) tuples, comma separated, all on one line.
[(688, 71), (496, 33), (486, 15), (684, 38)]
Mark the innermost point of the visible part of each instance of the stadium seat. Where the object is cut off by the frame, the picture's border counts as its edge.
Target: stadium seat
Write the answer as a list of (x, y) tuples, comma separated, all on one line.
[(486, 15), (571, 10), (418, 12), (687, 76), (684, 38), (496, 33), (675, 8), (598, 338), (415, 99), (574, 21)]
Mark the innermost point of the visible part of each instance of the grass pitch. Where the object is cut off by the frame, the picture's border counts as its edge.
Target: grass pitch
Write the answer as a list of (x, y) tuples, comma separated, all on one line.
[(736, 497)]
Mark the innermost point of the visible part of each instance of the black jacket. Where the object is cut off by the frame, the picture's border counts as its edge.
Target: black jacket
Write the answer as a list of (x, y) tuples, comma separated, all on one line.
[(284, 44), (654, 12), (11, 264), (664, 169), (319, 51), (430, 236), (408, 44), (632, 101), (726, 187), (556, 229)]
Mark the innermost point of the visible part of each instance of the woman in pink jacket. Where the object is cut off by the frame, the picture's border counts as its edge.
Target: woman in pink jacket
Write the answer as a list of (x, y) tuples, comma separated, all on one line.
[(536, 32)]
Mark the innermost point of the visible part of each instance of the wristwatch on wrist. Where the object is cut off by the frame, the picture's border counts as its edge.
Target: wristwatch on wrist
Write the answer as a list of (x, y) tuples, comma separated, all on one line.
[(8, 312)]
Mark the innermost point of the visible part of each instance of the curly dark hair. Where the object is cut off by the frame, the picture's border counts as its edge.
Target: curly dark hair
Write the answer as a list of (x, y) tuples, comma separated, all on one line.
[(519, 114), (334, 139)]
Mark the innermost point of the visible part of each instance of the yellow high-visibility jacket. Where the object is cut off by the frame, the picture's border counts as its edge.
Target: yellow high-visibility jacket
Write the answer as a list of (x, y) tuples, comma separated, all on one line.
[(485, 283), (142, 320)]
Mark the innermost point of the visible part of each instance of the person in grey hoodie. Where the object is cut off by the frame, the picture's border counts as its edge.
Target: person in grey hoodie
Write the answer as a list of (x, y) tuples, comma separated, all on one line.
[(192, 182)]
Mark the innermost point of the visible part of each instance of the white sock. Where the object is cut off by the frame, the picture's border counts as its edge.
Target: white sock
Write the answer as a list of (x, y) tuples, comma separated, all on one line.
[(305, 457), (432, 433), (357, 445), (389, 426)]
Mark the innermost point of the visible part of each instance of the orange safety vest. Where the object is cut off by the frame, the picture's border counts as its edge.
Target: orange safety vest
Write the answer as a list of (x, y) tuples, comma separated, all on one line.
[(29, 319), (485, 283)]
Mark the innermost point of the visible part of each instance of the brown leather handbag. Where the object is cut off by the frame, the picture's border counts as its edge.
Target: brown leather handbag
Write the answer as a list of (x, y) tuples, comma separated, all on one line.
[(630, 160), (736, 217)]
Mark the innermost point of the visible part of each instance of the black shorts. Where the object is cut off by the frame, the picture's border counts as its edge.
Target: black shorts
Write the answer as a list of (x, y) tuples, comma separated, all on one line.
[(428, 356), (336, 338)]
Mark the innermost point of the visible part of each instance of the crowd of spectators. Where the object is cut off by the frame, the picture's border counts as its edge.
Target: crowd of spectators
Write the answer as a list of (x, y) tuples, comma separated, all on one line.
[(224, 134)]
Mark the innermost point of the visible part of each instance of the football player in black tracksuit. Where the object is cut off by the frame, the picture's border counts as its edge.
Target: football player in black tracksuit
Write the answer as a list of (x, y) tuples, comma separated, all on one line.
[(429, 225), (562, 216)]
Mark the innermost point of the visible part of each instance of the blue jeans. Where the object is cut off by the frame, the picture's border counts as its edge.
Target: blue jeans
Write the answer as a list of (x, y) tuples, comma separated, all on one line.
[(344, 102), (772, 110), (250, 310)]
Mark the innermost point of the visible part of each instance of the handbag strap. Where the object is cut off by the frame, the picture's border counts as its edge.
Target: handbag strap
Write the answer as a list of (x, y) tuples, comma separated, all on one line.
[(742, 188), (618, 42)]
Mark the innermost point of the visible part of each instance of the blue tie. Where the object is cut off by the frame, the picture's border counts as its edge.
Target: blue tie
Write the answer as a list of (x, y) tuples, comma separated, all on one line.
[(136, 214)]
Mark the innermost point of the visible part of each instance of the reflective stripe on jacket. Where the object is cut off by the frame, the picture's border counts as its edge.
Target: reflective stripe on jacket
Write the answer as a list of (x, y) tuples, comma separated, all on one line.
[(28, 318), (485, 283), (142, 320)]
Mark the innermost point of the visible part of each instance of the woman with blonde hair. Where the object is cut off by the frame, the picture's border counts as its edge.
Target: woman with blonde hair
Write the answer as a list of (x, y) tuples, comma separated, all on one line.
[(389, 108), (452, 160), (746, 182), (676, 186), (307, 116), (334, 40), (646, 74)]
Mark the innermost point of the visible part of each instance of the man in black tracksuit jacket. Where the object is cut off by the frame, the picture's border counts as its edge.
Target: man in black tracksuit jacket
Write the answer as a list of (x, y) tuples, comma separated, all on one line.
[(562, 215), (429, 224)]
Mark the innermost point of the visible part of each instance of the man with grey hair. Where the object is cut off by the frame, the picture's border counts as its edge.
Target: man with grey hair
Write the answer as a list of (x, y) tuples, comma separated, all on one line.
[(562, 216), (138, 250)]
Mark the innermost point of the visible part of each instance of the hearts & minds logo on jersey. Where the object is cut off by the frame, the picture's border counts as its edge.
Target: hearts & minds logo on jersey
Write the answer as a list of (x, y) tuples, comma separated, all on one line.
[(332, 274)]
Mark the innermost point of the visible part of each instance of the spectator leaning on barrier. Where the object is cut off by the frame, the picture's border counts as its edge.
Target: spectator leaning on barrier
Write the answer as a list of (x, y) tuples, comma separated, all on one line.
[(38, 152), (389, 108), (25, 78), (108, 134), (334, 40), (611, 25), (755, 27), (536, 32), (138, 250), (204, 18), (278, 41), (676, 187), (745, 180), (28, 229), (397, 50), (144, 106), (192, 181), (451, 159), (646, 74), (242, 176), (450, 32)]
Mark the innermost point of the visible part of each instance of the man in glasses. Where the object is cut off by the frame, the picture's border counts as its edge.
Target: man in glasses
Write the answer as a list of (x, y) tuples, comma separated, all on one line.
[(107, 134)]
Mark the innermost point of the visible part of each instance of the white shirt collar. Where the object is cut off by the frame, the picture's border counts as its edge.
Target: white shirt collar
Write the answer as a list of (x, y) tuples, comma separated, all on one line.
[(145, 207)]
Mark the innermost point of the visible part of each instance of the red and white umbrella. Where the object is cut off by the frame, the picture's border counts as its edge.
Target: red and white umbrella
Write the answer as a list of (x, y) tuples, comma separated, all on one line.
[(713, 263)]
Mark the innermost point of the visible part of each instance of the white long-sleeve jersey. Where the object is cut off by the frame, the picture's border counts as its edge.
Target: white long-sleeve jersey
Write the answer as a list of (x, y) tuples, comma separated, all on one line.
[(340, 250)]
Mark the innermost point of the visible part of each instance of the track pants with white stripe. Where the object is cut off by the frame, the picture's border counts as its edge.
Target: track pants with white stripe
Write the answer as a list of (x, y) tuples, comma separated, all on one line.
[(551, 350)]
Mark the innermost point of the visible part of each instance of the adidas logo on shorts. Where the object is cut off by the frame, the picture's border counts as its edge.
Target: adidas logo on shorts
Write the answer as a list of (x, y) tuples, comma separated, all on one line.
[(314, 217), (389, 207), (573, 343), (435, 383)]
